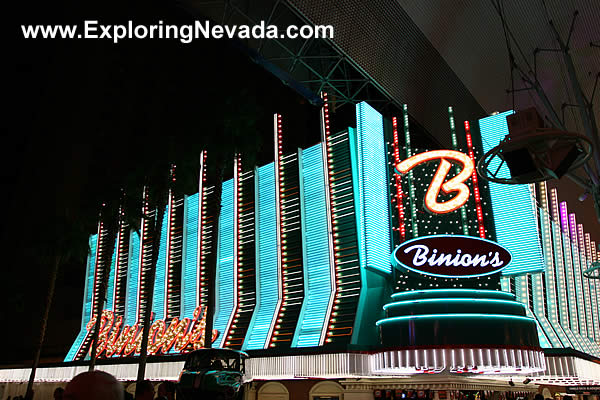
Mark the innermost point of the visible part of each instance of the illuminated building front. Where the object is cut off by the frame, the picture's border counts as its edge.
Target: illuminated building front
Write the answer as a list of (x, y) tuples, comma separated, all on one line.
[(311, 283)]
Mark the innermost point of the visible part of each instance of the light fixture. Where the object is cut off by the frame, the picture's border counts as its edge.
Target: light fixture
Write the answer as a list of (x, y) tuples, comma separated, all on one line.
[(511, 383), (526, 381)]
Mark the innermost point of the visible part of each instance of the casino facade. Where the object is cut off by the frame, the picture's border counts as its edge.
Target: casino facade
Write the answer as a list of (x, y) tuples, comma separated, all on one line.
[(359, 268)]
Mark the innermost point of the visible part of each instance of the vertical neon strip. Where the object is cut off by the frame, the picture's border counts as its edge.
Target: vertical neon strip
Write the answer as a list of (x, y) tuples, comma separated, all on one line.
[(325, 133), (315, 250), (463, 210), (266, 259), (86, 312), (561, 277), (225, 274), (514, 209), (585, 282), (278, 150), (162, 267), (593, 288), (131, 309), (539, 309), (573, 309), (398, 181), (411, 187), (551, 276), (202, 200), (237, 166), (169, 251), (190, 249), (141, 262), (97, 268), (475, 182), (169, 221), (117, 264), (578, 276), (588, 248), (112, 275), (374, 187)]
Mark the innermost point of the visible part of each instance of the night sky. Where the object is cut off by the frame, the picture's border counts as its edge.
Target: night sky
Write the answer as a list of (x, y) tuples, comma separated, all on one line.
[(79, 113)]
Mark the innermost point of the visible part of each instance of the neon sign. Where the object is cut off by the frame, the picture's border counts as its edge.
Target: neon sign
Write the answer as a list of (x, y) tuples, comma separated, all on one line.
[(455, 184), (181, 335), (451, 256)]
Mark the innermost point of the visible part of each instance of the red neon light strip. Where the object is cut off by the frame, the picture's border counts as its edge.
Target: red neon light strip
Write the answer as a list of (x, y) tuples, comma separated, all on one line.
[(475, 183), (398, 180)]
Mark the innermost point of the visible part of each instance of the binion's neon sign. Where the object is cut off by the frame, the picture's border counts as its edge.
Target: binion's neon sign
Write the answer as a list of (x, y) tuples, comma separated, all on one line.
[(451, 256), (455, 184)]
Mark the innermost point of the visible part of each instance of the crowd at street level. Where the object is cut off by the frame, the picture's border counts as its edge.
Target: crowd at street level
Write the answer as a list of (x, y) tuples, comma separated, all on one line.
[(99, 385)]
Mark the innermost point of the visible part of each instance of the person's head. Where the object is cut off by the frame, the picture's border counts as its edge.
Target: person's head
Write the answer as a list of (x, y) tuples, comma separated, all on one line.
[(94, 385), (144, 391), (538, 396), (167, 390), (58, 393)]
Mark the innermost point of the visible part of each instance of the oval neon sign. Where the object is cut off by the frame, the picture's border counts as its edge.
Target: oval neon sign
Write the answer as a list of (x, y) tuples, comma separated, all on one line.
[(451, 256)]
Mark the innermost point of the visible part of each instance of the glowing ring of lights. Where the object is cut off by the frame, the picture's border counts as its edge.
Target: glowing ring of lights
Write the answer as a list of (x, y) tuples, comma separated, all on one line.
[(593, 272), (536, 142)]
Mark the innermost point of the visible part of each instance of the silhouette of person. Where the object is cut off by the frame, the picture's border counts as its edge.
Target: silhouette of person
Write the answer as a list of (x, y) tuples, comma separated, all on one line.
[(144, 391), (166, 391), (58, 393), (94, 385)]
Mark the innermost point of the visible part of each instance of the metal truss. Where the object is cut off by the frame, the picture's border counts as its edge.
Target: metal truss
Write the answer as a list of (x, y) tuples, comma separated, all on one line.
[(309, 66)]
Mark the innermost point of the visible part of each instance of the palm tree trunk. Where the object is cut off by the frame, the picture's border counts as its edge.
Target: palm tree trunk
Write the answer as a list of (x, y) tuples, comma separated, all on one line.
[(212, 258), (150, 298), (36, 359)]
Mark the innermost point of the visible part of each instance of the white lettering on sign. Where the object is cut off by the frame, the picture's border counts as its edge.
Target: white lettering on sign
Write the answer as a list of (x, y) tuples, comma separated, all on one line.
[(423, 255)]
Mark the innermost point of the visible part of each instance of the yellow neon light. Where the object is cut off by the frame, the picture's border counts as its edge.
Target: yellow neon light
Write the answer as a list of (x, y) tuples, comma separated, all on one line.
[(455, 184)]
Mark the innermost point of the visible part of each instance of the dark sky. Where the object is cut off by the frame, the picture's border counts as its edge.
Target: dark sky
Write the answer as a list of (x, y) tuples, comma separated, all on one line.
[(80, 111)]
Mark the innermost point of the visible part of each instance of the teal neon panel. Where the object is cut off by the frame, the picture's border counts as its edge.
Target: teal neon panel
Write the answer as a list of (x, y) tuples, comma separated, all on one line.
[(87, 297), (266, 265), (110, 289), (189, 283), (160, 284), (373, 207), (132, 280), (316, 250), (513, 207), (225, 266)]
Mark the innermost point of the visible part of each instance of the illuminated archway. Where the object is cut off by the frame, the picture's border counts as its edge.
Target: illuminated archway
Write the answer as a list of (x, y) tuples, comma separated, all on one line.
[(273, 391), (327, 389)]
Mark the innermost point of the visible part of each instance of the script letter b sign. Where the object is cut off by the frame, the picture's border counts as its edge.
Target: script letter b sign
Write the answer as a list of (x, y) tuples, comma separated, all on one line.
[(455, 184)]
